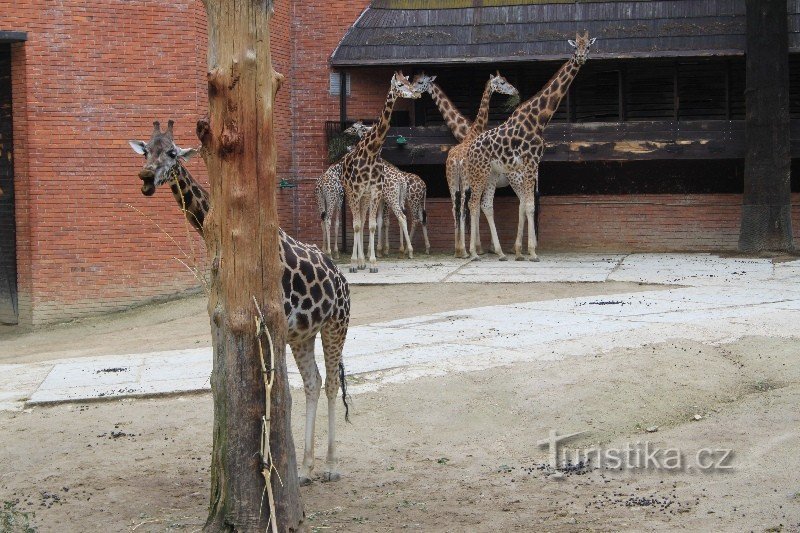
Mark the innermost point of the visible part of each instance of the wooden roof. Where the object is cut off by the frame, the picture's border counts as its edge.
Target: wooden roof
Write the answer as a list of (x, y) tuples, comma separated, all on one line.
[(417, 32)]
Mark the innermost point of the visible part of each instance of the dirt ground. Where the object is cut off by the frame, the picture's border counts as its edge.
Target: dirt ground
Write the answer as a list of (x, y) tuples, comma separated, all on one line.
[(452, 453)]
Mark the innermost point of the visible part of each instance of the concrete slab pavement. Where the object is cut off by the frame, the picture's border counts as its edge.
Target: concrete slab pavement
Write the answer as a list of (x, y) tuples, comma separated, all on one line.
[(718, 300)]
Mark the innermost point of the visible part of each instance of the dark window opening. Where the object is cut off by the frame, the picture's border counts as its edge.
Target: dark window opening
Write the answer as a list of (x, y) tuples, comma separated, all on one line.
[(613, 90)]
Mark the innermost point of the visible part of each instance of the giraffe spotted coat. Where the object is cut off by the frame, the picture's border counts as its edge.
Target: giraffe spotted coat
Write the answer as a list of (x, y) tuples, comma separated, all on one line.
[(316, 296)]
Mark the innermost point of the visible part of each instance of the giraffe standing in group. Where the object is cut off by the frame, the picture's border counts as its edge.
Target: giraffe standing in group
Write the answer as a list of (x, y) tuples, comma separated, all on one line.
[(456, 178), (412, 192), (512, 151), (316, 296), (330, 196), (460, 127), (362, 177)]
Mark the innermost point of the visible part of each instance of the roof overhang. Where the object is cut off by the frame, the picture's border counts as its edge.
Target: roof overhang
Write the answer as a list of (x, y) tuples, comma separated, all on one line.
[(13, 36), (439, 32)]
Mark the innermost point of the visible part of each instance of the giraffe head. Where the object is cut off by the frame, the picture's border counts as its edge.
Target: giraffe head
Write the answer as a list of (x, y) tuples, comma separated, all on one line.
[(161, 155), (423, 82), (402, 88), (359, 129), (581, 44), (500, 85)]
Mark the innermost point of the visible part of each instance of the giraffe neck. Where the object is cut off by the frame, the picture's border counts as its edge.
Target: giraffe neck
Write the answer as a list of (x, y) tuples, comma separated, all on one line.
[(191, 197), (373, 140), (457, 122), (482, 118), (542, 106)]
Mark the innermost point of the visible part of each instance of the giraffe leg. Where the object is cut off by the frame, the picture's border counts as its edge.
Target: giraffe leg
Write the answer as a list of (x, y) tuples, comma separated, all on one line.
[(474, 213), (520, 230), (487, 204), (374, 205), (362, 261), (336, 220), (530, 210), (312, 382), (401, 219), (325, 237), (357, 225), (478, 237), (424, 225), (380, 221), (333, 337), (387, 248)]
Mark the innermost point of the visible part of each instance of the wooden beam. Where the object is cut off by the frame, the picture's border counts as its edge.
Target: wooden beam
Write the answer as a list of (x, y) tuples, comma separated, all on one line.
[(766, 222)]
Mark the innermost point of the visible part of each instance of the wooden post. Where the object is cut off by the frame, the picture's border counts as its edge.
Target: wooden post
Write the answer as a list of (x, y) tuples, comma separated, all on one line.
[(766, 205), (242, 239)]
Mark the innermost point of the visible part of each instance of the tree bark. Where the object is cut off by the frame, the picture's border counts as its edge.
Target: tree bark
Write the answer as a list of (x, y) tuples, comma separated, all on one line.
[(242, 239), (766, 206)]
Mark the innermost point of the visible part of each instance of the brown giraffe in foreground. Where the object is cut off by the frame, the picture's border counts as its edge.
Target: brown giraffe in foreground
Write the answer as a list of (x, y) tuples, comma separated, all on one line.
[(362, 176), (456, 179), (330, 196), (316, 297), (512, 151)]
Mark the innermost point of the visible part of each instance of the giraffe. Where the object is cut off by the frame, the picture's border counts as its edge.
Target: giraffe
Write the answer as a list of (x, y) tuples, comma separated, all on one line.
[(330, 196), (316, 296), (362, 177), (460, 127), (411, 193), (456, 181), (512, 151)]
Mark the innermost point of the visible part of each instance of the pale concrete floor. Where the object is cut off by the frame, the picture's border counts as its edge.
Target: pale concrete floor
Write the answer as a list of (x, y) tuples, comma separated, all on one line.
[(714, 300)]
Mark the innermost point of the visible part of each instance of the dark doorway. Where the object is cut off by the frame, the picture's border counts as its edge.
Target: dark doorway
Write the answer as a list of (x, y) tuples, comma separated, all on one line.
[(8, 254)]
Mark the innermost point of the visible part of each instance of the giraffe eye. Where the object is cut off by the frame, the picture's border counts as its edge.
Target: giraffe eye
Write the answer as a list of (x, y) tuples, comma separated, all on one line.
[(172, 154)]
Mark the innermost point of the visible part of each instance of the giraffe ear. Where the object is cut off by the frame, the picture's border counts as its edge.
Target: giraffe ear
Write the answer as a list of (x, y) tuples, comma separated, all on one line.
[(572, 43), (186, 153), (138, 146)]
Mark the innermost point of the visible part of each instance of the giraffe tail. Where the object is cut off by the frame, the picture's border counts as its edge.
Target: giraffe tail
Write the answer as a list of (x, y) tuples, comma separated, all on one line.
[(322, 204), (344, 392)]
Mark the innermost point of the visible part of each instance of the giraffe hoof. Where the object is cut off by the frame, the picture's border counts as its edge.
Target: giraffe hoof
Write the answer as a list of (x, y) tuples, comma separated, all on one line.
[(353, 270), (304, 481), (534, 258), (475, 258), (362, 267), (519, 257), (328, 477), (502, 258), (373, 270)]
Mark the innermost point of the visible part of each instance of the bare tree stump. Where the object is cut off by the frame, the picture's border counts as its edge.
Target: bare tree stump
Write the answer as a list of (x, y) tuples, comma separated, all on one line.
[(242, 238)]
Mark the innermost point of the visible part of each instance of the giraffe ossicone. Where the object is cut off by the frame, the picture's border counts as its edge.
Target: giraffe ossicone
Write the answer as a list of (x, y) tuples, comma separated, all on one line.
[(316, 296)]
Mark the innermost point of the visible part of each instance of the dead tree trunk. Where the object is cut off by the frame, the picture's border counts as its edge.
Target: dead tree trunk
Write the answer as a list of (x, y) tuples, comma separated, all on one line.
[(766, 206), (242, 238)]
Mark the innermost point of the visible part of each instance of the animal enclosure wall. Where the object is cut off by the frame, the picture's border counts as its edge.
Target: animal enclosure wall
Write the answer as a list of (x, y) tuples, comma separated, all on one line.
[(8, 253)]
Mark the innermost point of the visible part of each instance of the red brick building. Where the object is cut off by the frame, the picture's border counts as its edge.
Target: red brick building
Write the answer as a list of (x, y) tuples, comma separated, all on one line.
[(77, 80)]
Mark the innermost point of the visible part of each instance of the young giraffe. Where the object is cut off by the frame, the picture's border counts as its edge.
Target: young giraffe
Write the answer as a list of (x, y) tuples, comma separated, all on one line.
[(316, 297), (362, 177), (456, 180), (330, 196), (512, 152), (411, 191)]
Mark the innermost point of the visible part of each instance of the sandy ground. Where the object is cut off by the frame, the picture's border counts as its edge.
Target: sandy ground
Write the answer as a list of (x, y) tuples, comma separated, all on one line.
[(449, 453)]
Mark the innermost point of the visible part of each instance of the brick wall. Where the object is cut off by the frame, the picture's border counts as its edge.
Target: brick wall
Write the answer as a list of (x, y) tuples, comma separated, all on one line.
[(629, 223), (92, 76)]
